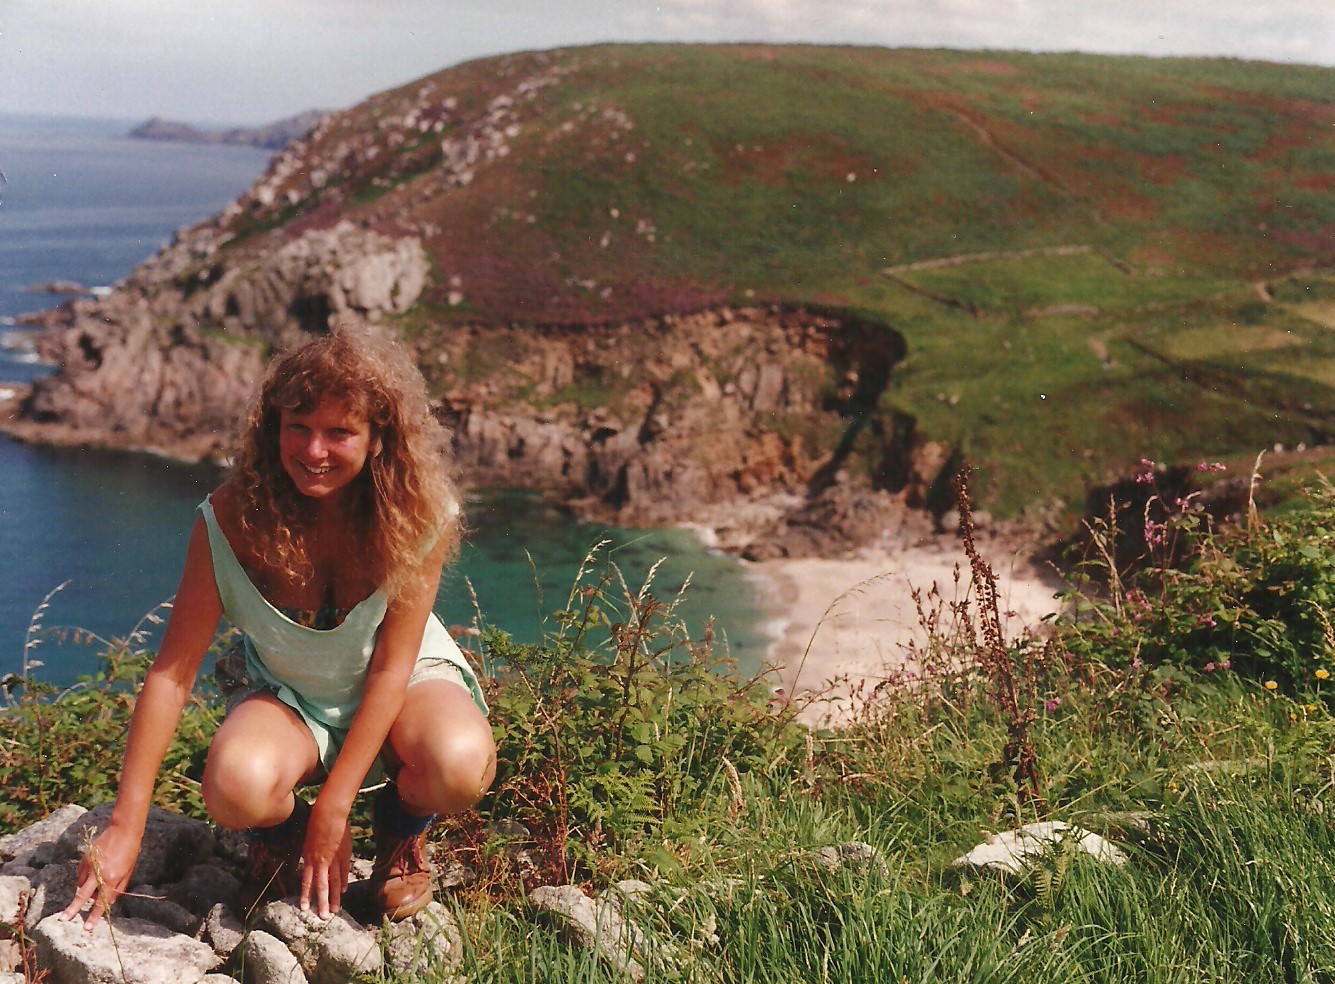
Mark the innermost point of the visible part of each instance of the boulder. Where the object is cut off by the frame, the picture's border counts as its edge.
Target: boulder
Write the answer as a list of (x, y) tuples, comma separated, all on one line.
[(171, 843), (1015, 851), (857, 856), (223, 931), (330, 951), (35, 846), (52, 889), (119, 951), (13, 888), (596, 925), (265, 959), (425, 944)]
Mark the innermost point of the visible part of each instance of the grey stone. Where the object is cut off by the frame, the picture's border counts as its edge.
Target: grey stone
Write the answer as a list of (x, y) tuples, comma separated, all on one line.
[(230, 845), (595, 925), (11, 956), (53, 890), (205, 886), (424, 943), (223, 930), (34, 846), (12, 890), (633, 889), (1016, 850), (265, 959), (11, 978), (138, 953), (171, 843), (151, 904), (857, 855), (331, 951), (217, 979)]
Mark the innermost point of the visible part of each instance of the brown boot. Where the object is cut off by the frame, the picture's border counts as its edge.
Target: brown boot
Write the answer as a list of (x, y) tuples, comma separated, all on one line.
[(273, 860), (400, 882)]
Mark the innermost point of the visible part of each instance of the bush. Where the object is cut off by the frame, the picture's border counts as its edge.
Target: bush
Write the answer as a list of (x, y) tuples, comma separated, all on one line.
[(619, 725), (1252, 598)]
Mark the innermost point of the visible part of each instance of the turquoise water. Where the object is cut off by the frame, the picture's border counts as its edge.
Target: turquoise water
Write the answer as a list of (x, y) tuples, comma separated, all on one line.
[(113, 528), (83, 203)]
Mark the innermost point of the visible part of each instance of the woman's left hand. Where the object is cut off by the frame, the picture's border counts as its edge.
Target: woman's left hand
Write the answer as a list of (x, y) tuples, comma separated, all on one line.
[(327, 859)]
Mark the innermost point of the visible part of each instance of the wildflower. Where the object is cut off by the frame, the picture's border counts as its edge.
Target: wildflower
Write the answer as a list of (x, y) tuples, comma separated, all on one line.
[(1211, 466), (1323, 674), (1051, 704), (1209, 667), (1146, 476), (1226, 663), (1311, 708), (1271, 685), (1155, 532), (1136, 663)]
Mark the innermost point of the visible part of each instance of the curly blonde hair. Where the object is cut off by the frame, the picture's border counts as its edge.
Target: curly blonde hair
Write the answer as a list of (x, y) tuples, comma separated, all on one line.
[(403, 499)]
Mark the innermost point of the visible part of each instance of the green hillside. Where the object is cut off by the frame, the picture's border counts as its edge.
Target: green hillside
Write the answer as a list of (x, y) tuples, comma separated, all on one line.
[(1140, 250)]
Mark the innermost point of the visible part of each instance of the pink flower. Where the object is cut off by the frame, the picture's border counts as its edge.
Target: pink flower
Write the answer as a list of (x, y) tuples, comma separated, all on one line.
[(1155, 533), (1051, 704), (1209, 667), (1136, 663)]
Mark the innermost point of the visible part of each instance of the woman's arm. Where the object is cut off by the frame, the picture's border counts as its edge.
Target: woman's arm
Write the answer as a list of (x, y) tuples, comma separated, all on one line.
[(397, 644), (108, 863)]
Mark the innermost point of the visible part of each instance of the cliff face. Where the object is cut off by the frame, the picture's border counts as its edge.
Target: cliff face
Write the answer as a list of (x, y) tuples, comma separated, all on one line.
[(741, 419), (168, 360)]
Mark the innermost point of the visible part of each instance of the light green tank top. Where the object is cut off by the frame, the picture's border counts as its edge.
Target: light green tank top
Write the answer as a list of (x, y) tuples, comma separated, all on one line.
[(319, 673)]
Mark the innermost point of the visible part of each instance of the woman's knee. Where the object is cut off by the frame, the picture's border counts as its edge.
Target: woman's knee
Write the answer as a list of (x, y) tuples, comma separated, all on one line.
[(240, 788), (449, 771), (252, 767)]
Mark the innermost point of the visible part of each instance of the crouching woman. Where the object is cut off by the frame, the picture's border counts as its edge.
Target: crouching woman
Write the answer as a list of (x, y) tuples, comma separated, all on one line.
[(324, 547)]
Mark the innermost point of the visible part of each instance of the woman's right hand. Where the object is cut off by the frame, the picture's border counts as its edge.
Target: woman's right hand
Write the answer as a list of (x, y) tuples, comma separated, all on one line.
[(104, 873)]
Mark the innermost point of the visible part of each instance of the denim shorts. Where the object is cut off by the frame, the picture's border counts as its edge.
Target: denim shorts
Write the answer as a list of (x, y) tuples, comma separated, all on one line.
[(235, 683)]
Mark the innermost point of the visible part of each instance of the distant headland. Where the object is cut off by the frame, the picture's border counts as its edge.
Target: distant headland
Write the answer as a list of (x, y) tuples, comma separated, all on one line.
[(272, 136)]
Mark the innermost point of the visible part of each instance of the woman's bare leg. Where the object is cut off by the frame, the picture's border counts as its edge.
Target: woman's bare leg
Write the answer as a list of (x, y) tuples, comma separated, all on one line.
[(261, 752), (443, 748)]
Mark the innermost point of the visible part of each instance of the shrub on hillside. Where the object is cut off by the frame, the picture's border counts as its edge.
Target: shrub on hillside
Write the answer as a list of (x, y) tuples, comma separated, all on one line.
[(1254, 598), (617, 725)]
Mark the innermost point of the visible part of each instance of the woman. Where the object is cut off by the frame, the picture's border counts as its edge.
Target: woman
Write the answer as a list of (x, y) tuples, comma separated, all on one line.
[(324, 547)]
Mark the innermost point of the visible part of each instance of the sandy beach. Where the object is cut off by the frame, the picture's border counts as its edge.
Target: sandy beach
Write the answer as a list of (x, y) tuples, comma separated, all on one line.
[(854, 618)]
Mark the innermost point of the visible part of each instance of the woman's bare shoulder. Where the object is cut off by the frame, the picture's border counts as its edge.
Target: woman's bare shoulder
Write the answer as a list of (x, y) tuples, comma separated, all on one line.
[(226, 501)]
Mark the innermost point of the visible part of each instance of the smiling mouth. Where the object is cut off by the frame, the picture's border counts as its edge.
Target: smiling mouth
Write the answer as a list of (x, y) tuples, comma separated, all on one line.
[(311, 470)]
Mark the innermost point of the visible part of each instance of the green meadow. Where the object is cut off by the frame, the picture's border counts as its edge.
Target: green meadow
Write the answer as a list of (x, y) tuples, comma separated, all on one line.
[(1090, 259)]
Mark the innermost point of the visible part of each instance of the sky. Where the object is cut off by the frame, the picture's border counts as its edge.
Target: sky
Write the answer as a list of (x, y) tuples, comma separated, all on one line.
[(254, 61)]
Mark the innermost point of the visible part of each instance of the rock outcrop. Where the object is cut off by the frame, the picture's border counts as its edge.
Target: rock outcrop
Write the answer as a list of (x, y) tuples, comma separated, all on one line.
[(178, 923), (169, 361), (176, 930), (271, 136), (768, 423)]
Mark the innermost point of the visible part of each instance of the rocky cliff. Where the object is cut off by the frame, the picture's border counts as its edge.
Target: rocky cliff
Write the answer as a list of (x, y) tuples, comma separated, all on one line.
[(271, 136), (770, 289), (767, 422)]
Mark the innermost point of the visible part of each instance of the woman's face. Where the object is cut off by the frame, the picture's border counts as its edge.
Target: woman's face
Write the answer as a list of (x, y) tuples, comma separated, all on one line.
[(324, 450)]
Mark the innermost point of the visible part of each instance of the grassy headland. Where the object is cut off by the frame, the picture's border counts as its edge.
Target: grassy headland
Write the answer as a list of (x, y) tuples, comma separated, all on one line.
[(1183, 712), (1090, 259)]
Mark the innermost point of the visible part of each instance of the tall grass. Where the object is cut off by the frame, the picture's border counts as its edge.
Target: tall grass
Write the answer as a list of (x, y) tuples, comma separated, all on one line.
[(625, 753)]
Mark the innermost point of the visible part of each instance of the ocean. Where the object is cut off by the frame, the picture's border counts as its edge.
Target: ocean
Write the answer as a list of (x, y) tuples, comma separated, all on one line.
[(106, 531)]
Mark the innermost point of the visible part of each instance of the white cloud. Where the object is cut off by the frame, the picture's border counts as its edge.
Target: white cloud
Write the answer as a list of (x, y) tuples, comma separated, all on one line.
[(239, 60)]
